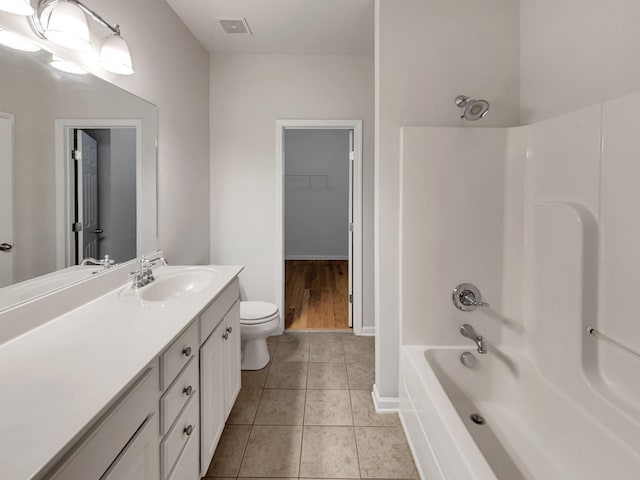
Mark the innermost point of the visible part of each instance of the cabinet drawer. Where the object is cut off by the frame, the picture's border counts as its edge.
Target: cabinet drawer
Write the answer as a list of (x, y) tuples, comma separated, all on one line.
[(139, 460), (178, 435), (187, 465), (212, 316), (93, 456), (171, 403), (177, 355)]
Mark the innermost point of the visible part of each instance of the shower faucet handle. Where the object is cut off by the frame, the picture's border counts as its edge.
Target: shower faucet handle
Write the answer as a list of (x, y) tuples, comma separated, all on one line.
[(466, 297)]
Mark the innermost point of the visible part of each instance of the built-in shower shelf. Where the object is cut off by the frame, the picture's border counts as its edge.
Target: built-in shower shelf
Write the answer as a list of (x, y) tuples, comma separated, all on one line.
[(607, 339)]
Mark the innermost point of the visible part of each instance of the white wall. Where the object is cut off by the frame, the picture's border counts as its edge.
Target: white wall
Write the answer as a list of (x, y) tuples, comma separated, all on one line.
[(452, 222), (427, 52), (576, 53), (172, 71), (248, 94), (316, 199)]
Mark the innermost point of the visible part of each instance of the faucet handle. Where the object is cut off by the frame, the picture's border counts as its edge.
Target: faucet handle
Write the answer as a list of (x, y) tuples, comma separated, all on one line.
[(469, 298), (466, 297)]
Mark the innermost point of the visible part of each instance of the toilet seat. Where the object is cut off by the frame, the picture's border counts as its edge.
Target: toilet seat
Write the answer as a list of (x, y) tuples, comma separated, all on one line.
[(256, 313)]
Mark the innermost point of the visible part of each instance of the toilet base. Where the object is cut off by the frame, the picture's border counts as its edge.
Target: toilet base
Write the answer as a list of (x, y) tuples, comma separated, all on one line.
[(255, 354)]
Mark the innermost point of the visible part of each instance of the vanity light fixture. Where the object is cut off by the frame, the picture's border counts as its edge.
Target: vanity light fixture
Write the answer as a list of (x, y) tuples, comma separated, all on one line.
[(66, 66), (17, 42), (65, 22), (18, 7)]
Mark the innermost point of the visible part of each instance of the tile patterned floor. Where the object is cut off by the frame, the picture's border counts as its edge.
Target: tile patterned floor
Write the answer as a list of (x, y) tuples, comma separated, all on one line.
[(309, 414)]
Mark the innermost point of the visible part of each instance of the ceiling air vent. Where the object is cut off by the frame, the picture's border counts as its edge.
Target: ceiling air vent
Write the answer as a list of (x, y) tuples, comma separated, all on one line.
[(235, 25)]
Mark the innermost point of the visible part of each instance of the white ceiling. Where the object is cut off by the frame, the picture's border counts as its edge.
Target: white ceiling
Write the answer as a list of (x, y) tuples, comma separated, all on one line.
[(282, 26)]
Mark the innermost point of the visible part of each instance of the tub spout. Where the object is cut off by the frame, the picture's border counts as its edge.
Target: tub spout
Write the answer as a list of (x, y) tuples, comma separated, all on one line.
[(468, 331)]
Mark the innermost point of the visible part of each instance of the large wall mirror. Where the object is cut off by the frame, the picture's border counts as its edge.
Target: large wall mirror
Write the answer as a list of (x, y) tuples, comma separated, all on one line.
[(77, 175)]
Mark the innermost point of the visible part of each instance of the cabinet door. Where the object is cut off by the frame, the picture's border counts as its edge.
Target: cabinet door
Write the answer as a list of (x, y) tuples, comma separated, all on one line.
[(212, 399), (232, 356), (139, 460)]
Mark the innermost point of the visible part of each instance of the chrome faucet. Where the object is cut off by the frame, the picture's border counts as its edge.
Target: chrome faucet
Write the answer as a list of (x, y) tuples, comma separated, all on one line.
[(144, 275), (468, 331), (106, 262)]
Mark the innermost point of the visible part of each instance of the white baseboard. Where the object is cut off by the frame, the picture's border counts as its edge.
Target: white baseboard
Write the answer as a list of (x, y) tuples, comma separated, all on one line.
[(368, 331), (316, 257), (384, 404)]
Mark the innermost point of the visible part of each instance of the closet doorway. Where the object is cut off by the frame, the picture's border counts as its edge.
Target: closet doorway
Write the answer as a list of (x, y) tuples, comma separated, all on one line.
[(319, 167)]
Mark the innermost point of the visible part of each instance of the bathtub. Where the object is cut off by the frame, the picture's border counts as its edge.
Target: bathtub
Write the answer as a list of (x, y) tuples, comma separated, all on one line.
[(532, 430)]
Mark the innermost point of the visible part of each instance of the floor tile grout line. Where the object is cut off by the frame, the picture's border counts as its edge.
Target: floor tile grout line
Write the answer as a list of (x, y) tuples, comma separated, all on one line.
[(302, 434), (253, 421), (355, 436)]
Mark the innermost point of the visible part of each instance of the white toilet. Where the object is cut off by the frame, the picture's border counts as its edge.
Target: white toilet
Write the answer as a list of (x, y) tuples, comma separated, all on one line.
[(258, 320)]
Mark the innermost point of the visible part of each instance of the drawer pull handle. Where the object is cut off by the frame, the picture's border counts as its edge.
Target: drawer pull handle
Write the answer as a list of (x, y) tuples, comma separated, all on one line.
[(225, 336), (229, 329), (187, 352), (188, 430), (187, 390)]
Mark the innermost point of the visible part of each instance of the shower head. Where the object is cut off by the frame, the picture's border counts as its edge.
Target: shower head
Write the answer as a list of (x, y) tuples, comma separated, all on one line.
[(473, 109)]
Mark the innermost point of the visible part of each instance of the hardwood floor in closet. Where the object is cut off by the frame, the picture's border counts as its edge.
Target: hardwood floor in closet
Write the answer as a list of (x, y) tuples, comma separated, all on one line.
[(316, 294)]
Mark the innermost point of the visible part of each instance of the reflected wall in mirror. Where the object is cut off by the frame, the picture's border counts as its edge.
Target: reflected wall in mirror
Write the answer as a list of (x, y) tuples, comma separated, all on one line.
[(77, 175)]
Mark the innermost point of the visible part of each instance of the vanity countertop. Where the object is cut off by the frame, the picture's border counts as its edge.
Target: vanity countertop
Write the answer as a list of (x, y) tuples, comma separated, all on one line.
[(58, 378)]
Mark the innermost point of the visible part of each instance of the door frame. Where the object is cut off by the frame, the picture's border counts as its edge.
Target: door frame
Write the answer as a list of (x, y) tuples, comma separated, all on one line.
[(64, 128), (327, 124)]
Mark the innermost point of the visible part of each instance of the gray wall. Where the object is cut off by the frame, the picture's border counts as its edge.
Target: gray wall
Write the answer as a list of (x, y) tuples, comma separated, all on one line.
[(123, 193), (316, 207), (117, 191)]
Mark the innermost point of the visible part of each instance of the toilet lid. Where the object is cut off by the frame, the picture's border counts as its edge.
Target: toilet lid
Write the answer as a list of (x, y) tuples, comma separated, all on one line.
[(251, 311)]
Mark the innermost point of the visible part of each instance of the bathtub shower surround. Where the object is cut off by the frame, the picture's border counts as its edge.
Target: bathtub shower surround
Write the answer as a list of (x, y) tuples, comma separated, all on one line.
[(537, 217)]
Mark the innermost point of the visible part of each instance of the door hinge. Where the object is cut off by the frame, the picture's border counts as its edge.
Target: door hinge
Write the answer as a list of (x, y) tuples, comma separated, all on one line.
[(351, 226), (76, 155), (351, 298), (352, 156), (76, 227)]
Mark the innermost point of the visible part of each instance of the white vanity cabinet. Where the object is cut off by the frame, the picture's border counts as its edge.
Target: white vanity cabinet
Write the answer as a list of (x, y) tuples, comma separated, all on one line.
[(212, 397), (139, 459), (168, 422), (124, 444), (219, 369), (231, 357)]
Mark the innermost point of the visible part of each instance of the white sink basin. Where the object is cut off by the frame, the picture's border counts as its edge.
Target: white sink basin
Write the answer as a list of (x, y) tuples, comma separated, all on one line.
[(174, 283)]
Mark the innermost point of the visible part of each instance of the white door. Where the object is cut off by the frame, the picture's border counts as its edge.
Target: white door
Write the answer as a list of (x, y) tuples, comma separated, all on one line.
[(87, 197), (351, 226), (6, 199), (212, 396)]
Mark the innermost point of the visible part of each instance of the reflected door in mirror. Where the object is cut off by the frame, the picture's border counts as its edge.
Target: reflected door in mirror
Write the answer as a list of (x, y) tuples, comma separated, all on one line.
[(104, 205), (6, 199)]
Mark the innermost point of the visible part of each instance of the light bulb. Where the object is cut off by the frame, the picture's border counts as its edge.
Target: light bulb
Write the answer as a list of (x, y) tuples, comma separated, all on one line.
[(67, 26), (115, 56)]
